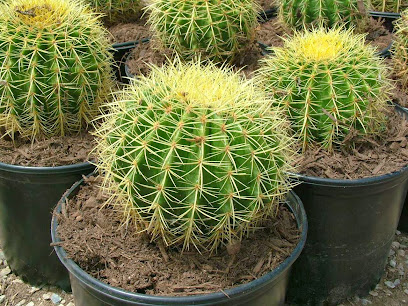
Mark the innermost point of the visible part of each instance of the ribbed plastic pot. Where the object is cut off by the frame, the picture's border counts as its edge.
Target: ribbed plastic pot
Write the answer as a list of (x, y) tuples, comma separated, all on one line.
[(351, 227), (27, 198), (403, 222), (268, 290)]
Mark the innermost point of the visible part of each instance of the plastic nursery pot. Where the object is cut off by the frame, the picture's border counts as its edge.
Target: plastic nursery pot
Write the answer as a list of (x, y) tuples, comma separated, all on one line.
[(267, 290), (403, 222), (120, 53), (351, 227), (27, 198)]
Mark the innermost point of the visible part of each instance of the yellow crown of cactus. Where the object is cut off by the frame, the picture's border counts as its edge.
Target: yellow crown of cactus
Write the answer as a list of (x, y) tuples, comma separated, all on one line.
[(329, 82), (194, 154), (55, 67)]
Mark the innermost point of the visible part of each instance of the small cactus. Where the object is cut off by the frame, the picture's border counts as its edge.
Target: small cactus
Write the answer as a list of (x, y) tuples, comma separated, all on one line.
[(400, 50), (116, 11), (194, 154), (55, 67), (217, 30), (395, 6), (329, 82), (299, 14)]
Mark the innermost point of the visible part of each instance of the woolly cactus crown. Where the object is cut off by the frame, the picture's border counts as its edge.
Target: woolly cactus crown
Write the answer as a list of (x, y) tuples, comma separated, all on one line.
[(194, 155), (216, 29), (301, 14), (330, 83), (55, 67)]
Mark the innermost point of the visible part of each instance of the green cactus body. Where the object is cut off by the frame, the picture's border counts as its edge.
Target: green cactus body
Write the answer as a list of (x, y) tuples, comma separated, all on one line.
[(216, 29), (329, 83), (117, 10), (311, 13), (395, 6), (55, 67), (194, 154), (400, 50)]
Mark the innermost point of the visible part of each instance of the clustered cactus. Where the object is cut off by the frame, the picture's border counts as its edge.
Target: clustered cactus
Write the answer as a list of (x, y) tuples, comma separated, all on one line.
[(195, 154), (400, 49), (329, 82), (217, 30), (299, 14), (395, 6), (55, 67), (117, 10)]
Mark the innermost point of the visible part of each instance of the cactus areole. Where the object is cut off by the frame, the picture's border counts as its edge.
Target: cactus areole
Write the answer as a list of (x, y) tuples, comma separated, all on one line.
[(330, 83), (216, 29), (194, 155), (55, 67)]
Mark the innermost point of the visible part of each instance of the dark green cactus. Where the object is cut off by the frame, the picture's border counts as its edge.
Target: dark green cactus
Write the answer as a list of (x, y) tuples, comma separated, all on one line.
[(55, 67), (216, 29), (194, 154), (301, 14), (329, 83)]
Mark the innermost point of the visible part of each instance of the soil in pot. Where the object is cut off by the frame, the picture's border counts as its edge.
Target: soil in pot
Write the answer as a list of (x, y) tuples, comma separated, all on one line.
[(52, 152), (93, 236), (124, 32)]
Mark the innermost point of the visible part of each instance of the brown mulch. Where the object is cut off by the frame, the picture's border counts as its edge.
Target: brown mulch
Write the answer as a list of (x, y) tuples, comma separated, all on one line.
[(56, 151), (116, 254), (371, 155)]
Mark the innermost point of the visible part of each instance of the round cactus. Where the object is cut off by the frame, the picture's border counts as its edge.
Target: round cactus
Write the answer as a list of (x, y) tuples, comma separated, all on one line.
[(194, 154), (395, 6), (216, 29), (330, 83), (400, 50), (55, 67), (117, 10), (301, 14)]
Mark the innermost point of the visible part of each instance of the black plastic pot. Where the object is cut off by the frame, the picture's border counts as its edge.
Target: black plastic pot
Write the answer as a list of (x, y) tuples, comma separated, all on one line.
[(27, 198), (351, 227), (267, 290)]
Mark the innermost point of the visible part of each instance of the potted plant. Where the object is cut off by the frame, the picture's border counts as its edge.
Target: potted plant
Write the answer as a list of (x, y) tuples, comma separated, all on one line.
[(55, 72), (335, 92), (193, 157)]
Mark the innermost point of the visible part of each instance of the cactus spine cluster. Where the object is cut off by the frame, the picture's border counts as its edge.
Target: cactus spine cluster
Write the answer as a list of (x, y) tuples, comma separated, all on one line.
[(299, 14), (395, 6), (55, 67), (400, 49), (217, 30), (195, 154), (329, 82), (117, 10)]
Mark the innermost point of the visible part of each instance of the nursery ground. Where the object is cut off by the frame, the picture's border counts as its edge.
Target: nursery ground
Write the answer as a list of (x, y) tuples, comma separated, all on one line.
[(391, 291)]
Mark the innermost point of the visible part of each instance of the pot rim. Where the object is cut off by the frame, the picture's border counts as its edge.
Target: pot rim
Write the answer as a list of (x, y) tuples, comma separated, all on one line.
[(44, 170), (227, 294)]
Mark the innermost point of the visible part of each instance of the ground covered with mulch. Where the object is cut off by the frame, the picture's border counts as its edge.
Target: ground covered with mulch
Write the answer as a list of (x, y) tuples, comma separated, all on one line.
[(56, 151), (93, 237)]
